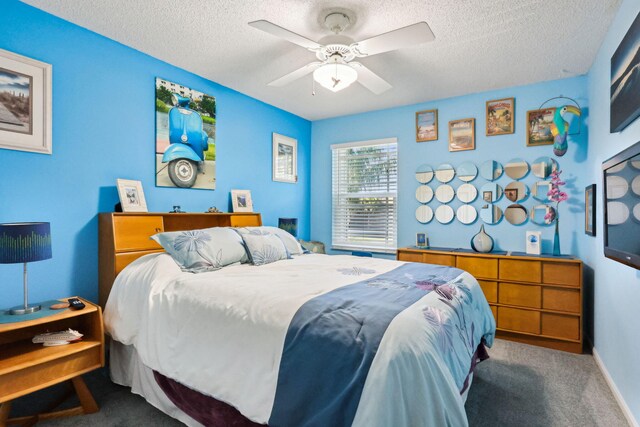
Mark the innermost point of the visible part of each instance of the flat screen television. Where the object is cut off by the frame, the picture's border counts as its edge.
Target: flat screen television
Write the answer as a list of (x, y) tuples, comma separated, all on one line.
[(621, 190)]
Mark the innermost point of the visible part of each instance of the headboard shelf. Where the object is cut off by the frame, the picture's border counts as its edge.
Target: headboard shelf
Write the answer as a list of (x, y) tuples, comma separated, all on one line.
[(125, 237)]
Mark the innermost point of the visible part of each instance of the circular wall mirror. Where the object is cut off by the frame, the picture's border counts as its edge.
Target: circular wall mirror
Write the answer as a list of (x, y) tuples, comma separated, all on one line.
[(445, 172), (466, 193), (635, 164), (617, 187), (424, 214), (539, 191), (444, 214), (445, 193), (635, 185), (543, 166), (617, 213), (543, 214), (466, 214), (424, 194), (490, 213), (467, 172), (424, 174), (617, 168), (636, 211), (517, 169), (491, 170), (491, 192), (516, 191), (516, 214)]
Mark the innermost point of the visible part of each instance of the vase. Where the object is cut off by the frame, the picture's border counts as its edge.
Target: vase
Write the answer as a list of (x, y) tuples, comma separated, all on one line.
[(556, 240), (482, 242)]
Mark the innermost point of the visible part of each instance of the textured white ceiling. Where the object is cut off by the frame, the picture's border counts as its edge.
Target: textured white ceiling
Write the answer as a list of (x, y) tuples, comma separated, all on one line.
[(480, 44)]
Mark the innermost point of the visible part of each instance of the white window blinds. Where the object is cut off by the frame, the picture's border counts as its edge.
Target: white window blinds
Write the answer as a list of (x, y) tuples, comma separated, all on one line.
[(365, 190)]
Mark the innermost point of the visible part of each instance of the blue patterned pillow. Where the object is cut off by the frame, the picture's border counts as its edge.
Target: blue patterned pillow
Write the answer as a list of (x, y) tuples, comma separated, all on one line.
[(209, 249), (290, 242), (263, 247)]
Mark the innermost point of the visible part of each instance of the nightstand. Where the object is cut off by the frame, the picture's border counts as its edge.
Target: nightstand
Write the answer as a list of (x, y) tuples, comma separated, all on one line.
[(26, 367)]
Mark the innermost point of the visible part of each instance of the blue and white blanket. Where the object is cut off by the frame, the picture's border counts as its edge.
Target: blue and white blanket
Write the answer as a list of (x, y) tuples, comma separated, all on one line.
[(317, 340)]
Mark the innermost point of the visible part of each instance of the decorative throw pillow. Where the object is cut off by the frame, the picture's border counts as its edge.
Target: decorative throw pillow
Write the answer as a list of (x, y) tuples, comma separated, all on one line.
[(209, 249), (264, 247), (313, 246), (287, 238)]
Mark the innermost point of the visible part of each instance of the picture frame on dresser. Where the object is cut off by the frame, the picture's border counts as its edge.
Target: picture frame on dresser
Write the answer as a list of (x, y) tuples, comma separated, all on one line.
[(131, 195), (241, 201)]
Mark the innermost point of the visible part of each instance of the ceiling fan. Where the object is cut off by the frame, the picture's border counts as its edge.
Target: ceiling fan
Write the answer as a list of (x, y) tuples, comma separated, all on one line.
[(336, 68)]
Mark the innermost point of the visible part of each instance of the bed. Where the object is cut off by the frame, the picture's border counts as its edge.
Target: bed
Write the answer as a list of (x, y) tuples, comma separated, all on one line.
[(312, 340)]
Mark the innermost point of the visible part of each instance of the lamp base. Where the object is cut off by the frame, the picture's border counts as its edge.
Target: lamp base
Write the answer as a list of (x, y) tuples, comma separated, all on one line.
[(25, 310)]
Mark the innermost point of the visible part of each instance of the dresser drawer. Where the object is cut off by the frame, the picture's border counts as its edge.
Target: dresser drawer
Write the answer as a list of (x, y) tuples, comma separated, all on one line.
[(132, 232), (440, 259), (561, 273), (494, 310), (490, 290), (486, 268), (519, 270), (517, 320), (521, 295), (561, 326), (410, 256), (561, 299)]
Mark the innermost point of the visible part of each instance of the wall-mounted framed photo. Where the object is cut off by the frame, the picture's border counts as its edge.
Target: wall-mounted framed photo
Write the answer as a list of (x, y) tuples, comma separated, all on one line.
[(427, 125), (462, 135), (131, 196), (499, 116), (625, 85), (539, 127), (285, 159), (25, 103), (241, 201), (590, 210)]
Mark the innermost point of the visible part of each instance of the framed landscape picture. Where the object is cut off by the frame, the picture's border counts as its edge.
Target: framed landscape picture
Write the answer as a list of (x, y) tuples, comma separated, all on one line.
[(625, 79), (285, 159), (427, 125), (499, 116), (25, 103), (539, 127), (462, 135)]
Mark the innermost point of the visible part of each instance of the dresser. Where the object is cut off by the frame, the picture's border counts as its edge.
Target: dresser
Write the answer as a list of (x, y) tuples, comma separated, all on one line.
[(534, 299)]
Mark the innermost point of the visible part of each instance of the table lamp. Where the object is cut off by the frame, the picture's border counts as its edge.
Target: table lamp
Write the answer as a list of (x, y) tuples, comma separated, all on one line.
[(289, 224), (24, 242)]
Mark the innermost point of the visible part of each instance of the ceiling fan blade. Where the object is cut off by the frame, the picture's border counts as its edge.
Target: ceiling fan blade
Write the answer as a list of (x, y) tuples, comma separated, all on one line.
[(397, 39), (369, 79), (283, 33), (295, 75)]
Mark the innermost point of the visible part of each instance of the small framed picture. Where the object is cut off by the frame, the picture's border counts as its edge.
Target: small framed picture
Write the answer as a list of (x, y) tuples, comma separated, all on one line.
[(539, 127), (421, 240), (590, 210), (241, 201), (131, 196), (499, 116), (533, 244), (427, 125), (462, 135), (285, 159)]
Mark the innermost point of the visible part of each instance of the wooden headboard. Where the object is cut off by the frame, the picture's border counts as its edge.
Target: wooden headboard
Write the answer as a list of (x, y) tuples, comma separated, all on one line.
[(125, 237)]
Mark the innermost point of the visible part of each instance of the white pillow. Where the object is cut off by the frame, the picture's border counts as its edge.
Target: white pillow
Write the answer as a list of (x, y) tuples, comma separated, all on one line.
[(287, 238)]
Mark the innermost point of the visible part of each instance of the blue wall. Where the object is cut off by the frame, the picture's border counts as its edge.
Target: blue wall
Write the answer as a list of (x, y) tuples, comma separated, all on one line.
[(616, 294), (103, 129), (400, 123)]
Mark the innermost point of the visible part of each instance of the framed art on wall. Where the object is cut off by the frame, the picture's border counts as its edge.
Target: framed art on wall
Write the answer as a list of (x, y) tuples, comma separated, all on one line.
[(590, 210), (427, 125), (462, 135), (285, 159), (499, 116), (241, 201), (25, 103), (131, 195), (185, 137), (625, 79), (539, 127)]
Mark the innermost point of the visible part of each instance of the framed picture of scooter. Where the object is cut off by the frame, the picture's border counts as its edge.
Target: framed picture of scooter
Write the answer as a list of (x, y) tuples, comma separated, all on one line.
[(185, 137)]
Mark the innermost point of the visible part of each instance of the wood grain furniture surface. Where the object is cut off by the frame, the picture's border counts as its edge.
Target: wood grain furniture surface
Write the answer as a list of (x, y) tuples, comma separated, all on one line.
[(26, 367), (534, 299), (125, 237)]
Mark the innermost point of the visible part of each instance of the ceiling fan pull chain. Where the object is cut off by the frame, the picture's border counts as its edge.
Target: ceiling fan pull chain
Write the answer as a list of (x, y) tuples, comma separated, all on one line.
[(313, 87)]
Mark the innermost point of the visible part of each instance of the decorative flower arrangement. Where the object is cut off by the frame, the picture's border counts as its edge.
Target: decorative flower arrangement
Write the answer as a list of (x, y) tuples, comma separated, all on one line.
[(555, 194)]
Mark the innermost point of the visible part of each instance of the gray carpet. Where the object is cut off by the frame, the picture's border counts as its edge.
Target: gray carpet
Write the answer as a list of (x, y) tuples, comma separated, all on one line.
[(519, 385)]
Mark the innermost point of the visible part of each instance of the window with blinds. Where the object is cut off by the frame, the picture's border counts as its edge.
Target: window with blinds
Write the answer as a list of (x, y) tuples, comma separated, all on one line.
[(365, 191)]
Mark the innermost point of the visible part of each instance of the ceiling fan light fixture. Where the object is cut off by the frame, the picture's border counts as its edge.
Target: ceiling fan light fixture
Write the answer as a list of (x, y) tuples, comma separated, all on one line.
[(335, 77)]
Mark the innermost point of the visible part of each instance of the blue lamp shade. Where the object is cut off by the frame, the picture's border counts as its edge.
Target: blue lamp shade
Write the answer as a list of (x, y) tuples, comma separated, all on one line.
[(23, 242), (289, 224)]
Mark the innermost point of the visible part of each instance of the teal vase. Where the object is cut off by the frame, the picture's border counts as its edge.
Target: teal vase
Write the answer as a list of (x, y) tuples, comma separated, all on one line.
[(556, 240)]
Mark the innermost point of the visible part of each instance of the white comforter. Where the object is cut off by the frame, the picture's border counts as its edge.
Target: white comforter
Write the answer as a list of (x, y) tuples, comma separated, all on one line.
[(222, 333)]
